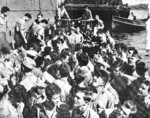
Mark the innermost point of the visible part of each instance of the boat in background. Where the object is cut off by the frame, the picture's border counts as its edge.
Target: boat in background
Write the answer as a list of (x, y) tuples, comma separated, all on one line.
[(104, 8), (123, 24)]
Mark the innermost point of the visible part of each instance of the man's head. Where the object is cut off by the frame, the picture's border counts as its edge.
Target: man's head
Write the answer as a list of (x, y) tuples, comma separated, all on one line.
[(44, 23), (132, 52), (82, 97), (62, 6), (78, 29), (53, 93), (127, 109), (39, 17), (85, 8), (5, 10), (82, 59), (100, 77), (96, 17), (100, 33), (144, 89), (64, 70), (141, 68), (27, 17), (64, 55)]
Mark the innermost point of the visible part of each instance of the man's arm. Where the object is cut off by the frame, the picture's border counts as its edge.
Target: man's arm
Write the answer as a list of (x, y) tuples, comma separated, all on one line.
[(67, 14), (2, 22), (22, 31), (40, 36), (101, 24), (90, 15), (58, 13), (23, 35)]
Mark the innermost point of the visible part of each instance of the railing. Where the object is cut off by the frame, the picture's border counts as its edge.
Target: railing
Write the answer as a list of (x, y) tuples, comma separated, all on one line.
[(65, 23)]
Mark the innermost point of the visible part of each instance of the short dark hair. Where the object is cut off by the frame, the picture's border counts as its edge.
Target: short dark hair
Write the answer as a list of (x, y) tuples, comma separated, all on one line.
[(5, 50), (82, 59), (19, 92), (64, 70), (64, 53), (63, 4), (47, 51), (54, 56), (39, 14), (52, 89), (39, 61), (44, 21), (78, 47), (85, 6), (4, 9), (28, 15), (141, 67)]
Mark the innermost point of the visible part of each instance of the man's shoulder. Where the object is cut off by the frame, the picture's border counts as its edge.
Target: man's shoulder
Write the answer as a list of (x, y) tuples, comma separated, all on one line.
[(89, 10), (21, 21), (90, 113)]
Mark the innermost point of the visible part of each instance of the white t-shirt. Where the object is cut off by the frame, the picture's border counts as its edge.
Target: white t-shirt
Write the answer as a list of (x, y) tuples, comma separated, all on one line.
[(2, 24)]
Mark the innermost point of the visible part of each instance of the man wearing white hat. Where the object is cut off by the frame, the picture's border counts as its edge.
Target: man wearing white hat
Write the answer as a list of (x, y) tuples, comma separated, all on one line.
[(29, 80)]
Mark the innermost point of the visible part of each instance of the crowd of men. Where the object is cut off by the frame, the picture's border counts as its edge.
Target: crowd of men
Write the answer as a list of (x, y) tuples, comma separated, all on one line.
[(78, 73)]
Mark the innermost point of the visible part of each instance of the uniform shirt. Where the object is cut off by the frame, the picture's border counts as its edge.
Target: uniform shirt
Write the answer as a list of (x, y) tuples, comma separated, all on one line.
[(2, 23), (65, 88), (29, 81), (79, 38), (104, 100)]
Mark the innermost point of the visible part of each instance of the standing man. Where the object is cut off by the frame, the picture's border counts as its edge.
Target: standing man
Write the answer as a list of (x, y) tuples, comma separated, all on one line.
[(3, 18), (62, 15), (20, 33), (98, 24), (38, 41), (87, 14), (86, 18)]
